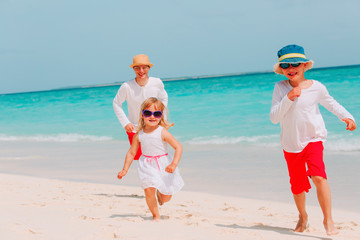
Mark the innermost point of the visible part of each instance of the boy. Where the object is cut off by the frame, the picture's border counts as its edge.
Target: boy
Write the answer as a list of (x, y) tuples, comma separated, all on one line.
[(295, 106)]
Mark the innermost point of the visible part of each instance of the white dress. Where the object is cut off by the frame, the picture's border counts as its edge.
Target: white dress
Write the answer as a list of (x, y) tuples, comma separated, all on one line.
[(152, 164)]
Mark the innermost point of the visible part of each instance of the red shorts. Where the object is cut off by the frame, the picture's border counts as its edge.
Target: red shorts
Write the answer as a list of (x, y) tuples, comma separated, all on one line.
[(312, 157), (130, 136)]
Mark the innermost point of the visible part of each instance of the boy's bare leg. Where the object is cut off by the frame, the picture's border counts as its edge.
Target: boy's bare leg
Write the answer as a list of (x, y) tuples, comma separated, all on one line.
[(300, 200), (151, 202), (324, 198)]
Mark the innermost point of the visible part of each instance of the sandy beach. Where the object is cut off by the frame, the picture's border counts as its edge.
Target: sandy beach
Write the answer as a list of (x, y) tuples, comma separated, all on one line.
[(35, 208), (53, 190)]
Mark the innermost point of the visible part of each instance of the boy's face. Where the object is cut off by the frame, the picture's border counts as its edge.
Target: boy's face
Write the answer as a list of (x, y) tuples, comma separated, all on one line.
[(295, 73)]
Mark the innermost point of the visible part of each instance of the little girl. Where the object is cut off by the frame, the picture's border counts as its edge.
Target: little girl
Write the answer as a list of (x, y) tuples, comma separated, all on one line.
[(157, 171)]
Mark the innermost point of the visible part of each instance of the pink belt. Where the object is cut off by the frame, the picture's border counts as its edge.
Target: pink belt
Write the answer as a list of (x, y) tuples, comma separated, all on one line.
[(156, 158)]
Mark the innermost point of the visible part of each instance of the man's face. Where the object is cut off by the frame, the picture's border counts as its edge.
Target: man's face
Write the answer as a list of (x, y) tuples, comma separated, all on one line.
[(141, 71)]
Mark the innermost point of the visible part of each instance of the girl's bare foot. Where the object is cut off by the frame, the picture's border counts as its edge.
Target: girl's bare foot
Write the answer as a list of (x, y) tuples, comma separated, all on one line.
[(330, 228), (302, 224)]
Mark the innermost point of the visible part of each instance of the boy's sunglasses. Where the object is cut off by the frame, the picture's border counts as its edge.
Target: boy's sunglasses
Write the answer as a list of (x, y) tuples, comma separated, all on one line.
[(287, 65), (148, 113)]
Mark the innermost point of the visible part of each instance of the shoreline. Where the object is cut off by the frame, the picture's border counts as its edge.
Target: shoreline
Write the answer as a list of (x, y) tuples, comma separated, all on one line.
[(38, 208)]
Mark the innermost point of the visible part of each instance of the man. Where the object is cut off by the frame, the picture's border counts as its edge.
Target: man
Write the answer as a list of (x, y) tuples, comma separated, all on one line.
[(135, 92)]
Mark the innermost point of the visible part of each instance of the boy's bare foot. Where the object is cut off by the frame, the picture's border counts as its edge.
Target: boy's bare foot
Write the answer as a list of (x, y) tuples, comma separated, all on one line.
[(159, 198), (156, 218), (302, 224), (330, 228)]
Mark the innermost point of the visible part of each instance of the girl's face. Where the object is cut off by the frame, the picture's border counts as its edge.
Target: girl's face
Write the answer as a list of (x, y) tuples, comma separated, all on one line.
[(151, 121)]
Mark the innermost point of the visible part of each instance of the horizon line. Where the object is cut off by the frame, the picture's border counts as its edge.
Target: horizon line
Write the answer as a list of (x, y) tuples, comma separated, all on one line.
[(183, 78)]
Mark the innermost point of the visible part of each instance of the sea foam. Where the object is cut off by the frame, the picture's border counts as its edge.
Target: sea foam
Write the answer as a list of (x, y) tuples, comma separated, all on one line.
[(335, 143), (71, 137), (270, 140)]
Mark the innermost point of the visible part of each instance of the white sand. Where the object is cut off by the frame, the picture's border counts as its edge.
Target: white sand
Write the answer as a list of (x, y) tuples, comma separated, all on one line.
[(36, 208), (45, 208)]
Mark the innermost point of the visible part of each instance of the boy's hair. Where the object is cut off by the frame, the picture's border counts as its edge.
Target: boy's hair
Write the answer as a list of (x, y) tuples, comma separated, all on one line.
[(158, 106)]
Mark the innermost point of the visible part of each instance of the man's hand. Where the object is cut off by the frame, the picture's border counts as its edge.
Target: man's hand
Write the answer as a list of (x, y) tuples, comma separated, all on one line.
[(129, 127)]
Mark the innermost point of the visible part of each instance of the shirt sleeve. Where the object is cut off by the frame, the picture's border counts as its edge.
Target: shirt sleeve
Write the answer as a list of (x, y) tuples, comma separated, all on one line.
[(332, 105), (163, 96), (280, 105), (117, 105)]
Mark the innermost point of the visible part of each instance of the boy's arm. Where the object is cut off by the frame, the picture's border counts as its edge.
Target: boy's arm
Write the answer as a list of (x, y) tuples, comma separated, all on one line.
[(280, 105), (169, 138), (338, 110), (130, 156)]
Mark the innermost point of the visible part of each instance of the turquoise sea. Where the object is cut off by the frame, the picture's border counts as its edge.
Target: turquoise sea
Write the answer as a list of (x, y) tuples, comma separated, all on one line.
[(230, 145), (230, 109)]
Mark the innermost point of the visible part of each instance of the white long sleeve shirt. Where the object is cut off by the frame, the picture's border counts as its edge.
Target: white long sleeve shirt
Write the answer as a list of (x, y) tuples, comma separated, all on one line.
[(300, 120), (135, 95)]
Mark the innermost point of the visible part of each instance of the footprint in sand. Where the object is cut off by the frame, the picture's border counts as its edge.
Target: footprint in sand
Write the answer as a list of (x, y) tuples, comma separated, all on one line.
[(270, 215), (348, 225), (89, 218), (354, 224), (233, 209), (192, 223), (22, 228), (345, 228), (32, 231), (39, 204)]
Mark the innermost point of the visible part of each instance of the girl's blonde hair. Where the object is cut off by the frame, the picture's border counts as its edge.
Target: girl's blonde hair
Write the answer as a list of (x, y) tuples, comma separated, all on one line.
[(158, 106)]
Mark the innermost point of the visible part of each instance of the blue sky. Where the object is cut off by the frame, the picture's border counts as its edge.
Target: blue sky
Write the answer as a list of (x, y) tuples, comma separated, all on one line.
[(60, 43)]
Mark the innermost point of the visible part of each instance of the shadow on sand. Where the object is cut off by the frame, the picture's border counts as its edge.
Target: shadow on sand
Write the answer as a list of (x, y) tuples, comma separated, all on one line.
[(120, 196), (137, 216), (285, 231)]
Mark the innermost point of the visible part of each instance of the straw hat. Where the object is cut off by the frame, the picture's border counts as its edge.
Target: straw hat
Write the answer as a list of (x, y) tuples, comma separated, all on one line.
[(141, 59), (292, 54)]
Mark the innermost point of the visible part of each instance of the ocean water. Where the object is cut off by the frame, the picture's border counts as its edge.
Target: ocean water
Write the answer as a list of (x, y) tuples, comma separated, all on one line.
[(217, 110)]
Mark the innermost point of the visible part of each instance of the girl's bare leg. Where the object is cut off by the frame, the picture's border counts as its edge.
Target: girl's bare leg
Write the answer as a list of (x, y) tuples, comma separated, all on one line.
[(151, 202), (324, 198), (300, 200), (162, 198)]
